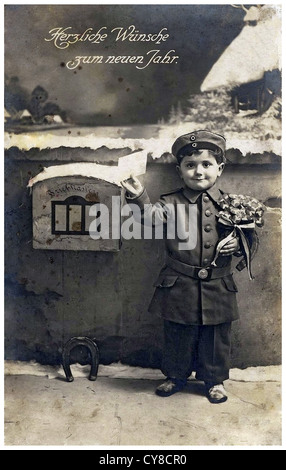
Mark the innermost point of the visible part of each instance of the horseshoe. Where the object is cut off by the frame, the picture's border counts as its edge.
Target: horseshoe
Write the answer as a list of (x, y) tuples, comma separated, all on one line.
[(94, 351)]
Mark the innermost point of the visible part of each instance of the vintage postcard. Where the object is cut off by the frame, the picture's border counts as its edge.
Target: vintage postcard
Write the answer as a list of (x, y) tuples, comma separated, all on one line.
[(143, 147)]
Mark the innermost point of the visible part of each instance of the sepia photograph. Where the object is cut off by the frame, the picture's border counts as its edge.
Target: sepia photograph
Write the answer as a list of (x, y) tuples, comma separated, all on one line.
[(143, 205)]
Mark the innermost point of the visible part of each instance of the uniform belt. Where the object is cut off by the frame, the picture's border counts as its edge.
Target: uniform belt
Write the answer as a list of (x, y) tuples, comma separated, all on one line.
[(196, 272)]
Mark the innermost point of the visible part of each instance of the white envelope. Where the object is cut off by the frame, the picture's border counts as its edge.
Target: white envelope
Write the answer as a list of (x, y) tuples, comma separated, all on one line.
[(134, 164)]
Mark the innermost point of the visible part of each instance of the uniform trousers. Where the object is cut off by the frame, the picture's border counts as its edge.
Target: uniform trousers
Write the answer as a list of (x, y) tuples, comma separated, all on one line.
[(204, 349)]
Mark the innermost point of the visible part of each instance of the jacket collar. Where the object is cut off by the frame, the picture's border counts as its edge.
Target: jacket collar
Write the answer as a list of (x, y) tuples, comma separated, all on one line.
[(214, 192)]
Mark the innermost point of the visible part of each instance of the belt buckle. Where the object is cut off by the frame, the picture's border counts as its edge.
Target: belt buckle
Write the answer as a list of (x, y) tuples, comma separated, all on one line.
[(204, 274)]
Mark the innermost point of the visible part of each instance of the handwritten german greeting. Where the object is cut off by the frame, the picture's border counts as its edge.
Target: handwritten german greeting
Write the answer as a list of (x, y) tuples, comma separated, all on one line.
[(63, 38)]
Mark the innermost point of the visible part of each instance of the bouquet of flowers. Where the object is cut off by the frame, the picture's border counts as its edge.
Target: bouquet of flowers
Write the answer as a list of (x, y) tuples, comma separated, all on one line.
[(241, 213), (240, 209)]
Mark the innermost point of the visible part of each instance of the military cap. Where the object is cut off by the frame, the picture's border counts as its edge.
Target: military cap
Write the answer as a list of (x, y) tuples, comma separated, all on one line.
[(199, 140)]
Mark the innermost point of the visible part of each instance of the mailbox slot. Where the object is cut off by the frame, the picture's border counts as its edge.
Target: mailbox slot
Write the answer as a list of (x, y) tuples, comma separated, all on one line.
[(71, 216)]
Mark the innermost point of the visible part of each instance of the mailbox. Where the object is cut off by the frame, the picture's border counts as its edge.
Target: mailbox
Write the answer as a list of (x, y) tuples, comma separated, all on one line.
[(66, 208)]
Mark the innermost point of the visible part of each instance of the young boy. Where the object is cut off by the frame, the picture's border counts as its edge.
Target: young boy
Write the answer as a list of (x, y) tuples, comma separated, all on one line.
[(196, 300)]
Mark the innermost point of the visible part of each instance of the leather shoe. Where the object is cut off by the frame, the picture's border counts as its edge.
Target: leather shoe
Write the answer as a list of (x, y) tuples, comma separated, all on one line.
[(170, 386), (216, 393)]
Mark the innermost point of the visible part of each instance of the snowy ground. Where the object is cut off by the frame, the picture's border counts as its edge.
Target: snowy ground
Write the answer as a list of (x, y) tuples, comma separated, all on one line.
[(118, 370), (121, 409)]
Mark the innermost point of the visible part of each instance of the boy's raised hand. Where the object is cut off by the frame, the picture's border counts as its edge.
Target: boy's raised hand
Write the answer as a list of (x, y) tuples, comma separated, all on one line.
[(133, 186)]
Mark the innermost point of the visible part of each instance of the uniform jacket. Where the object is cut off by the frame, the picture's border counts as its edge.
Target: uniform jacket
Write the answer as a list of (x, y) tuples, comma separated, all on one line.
[(181, 298)]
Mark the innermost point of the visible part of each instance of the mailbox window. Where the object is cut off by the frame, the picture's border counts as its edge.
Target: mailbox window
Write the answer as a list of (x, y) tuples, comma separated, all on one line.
[(71, 217)]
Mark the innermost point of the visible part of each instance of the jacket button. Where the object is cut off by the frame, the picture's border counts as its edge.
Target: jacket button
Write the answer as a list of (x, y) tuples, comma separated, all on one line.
[(207, 245), (206, 261), (206, 198), (208, 228), (208, 212)]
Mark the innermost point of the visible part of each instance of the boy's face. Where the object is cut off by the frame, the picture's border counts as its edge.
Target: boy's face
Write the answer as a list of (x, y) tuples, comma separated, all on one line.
[(200, 171)]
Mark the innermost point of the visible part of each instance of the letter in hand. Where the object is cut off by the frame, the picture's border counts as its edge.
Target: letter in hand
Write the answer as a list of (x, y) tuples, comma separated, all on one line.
[(133, 186)]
